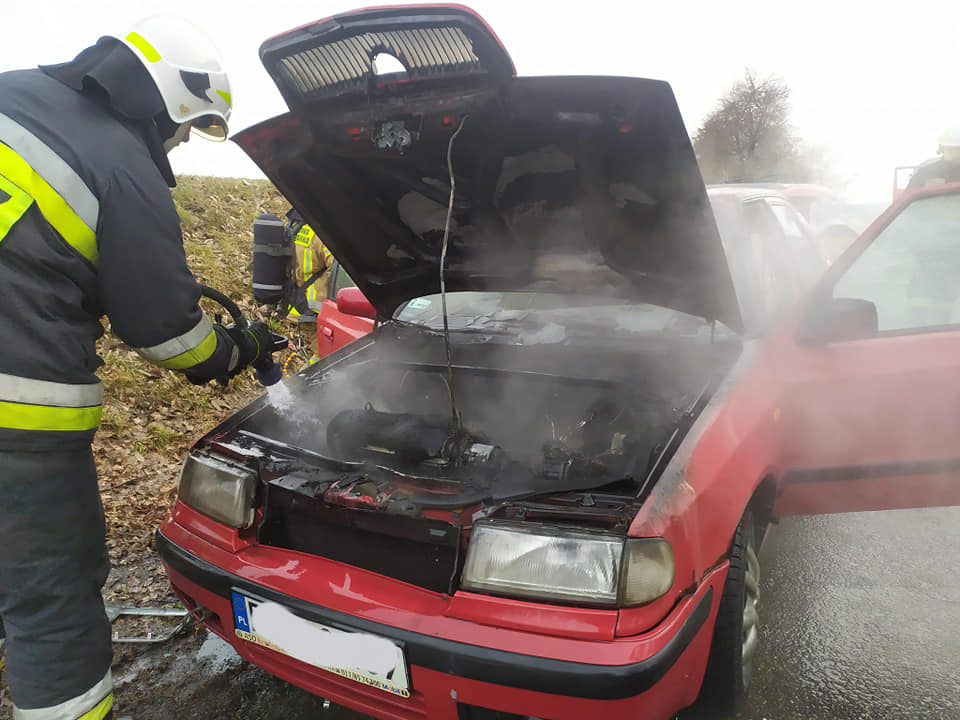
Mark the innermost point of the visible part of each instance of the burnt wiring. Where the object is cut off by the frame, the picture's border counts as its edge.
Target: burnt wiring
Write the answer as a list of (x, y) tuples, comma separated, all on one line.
[(455, 413)]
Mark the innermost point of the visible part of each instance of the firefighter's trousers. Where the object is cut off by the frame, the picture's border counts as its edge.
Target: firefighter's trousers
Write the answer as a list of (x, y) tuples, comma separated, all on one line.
[(53, 564)]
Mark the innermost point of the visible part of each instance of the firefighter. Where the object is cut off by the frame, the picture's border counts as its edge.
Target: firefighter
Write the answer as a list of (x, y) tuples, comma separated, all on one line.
[(942, 169), (88, 228), (313, 261)]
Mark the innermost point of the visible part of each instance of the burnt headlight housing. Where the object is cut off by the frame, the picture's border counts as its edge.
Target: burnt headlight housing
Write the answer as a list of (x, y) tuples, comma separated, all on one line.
[(219, 488), (565, 565)]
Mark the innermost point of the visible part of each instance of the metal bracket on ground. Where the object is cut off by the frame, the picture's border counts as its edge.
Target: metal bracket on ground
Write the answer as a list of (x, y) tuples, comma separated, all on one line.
[(116, 611)]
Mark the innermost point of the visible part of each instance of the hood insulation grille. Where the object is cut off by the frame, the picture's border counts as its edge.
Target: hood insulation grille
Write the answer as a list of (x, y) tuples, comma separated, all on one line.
[(345, 64)]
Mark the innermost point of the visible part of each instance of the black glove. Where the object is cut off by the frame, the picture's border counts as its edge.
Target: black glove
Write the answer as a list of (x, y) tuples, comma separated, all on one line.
[(236, 349), (254, 343)]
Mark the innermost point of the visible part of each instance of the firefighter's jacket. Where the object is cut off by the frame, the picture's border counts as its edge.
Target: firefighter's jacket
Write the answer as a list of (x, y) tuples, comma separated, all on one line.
[(87, 228), (312, 257)]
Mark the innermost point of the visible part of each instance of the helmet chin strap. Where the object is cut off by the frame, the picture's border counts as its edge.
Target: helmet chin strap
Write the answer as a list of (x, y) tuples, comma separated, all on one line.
[(180, 136)]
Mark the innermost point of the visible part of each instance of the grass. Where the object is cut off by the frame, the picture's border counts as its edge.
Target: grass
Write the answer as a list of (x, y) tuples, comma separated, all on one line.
[(152, 416)]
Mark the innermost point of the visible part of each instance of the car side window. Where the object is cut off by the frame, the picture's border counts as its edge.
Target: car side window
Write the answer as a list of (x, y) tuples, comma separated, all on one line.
[(341, 280), (331, 285), (806, 260), (767, 266), (911, 270)]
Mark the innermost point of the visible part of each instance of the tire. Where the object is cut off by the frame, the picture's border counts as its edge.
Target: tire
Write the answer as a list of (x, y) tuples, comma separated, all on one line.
[(735, 636)]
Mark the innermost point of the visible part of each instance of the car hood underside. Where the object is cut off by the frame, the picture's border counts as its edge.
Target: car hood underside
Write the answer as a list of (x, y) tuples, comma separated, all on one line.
[(562, 184)]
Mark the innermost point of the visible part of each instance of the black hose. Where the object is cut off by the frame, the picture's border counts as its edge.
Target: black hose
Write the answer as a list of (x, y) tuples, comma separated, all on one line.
[(229, 305)]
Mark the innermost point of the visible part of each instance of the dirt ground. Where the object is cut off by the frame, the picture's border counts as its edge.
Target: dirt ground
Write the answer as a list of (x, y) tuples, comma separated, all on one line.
[(197, 675)]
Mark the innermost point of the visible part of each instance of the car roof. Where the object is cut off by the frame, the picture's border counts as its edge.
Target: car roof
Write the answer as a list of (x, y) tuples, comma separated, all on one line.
[(745, 191)]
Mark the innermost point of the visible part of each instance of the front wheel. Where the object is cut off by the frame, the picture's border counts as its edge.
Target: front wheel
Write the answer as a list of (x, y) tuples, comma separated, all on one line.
[(736, 634)]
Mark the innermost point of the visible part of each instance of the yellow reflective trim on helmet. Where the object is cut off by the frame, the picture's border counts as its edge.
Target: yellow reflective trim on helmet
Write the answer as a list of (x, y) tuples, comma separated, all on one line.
[(14, 202), (226, 96), (194, 356), (149, 52), (55, 209), (21, 416), (101, 710)]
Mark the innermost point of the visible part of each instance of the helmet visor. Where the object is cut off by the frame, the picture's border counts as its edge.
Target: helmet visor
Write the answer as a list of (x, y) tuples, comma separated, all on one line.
[(209, 127)]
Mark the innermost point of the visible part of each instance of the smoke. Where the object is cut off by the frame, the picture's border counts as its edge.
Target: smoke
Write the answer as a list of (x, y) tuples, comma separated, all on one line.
[(527, 378)]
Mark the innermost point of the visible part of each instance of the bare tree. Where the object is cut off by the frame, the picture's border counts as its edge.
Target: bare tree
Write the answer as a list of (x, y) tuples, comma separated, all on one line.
[(748, 137)]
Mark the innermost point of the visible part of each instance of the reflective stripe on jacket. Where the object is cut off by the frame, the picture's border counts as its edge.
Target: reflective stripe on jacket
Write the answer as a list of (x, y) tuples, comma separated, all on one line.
[(87, 228), (312, 257)]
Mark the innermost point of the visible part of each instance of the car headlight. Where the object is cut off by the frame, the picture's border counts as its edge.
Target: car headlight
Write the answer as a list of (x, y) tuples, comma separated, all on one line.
[(547, 563), (217, 487)]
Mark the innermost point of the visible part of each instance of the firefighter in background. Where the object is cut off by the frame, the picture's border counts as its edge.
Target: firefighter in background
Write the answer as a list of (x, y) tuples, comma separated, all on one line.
[(942, 169), (312, 274), (88, 228)]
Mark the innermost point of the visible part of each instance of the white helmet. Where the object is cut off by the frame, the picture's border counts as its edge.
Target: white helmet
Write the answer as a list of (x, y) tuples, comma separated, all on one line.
[(187, 69)]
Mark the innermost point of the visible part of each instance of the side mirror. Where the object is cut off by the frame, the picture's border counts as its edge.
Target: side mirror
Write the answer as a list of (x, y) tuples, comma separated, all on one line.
[(837, 319), (351, 301)]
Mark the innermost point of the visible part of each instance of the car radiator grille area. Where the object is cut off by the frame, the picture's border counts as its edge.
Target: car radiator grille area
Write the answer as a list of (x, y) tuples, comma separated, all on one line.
[(418, 551)]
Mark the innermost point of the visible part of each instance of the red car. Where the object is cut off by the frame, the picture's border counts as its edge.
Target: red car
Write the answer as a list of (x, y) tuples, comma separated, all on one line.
[(537, 489)]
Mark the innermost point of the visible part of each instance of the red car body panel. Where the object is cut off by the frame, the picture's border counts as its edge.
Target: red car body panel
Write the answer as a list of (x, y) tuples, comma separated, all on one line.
[(365, 596), (336, 329)]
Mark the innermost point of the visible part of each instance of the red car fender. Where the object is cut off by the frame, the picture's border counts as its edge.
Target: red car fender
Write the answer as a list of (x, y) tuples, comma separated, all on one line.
[(698, 501)]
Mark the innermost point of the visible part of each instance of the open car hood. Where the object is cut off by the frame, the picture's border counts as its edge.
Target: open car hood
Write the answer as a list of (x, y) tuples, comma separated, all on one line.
[(587, 185)]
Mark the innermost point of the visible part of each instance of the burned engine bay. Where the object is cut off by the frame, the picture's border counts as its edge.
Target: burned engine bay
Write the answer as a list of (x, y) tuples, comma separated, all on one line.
[(377, 431)]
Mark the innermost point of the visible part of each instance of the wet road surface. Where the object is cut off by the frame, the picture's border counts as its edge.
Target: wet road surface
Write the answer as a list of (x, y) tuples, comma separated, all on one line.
[(860, 619)]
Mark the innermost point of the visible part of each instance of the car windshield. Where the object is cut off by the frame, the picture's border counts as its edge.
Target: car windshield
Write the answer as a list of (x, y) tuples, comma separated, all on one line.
[(531, 318)]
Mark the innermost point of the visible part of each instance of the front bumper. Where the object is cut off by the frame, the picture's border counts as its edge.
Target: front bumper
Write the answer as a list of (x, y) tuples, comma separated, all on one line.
[(448, 675)]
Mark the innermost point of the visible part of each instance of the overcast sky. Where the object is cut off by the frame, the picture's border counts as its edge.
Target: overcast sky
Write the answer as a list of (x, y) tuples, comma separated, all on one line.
[(872, 87)]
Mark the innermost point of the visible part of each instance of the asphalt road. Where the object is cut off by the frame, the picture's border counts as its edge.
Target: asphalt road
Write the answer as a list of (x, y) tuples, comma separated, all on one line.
[(860, 619)]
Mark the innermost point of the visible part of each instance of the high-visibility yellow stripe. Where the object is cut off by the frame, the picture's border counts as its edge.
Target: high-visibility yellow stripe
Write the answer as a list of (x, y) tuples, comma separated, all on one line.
[(13, 204), (192, 357), (18, 416), (148, 50), (51, 167), (308, 271), (226, 96), (101, 711), (55, 209), (178, 349)]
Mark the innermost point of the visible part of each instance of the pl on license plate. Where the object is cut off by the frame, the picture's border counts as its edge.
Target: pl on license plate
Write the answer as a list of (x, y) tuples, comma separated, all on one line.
[(368, 659)]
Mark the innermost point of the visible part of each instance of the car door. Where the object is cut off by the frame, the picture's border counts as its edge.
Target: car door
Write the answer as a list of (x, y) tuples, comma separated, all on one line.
[(334, 328), (871, 415)]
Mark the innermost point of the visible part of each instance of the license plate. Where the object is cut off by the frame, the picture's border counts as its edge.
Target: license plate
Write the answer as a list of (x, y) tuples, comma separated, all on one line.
[(362, 657)]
